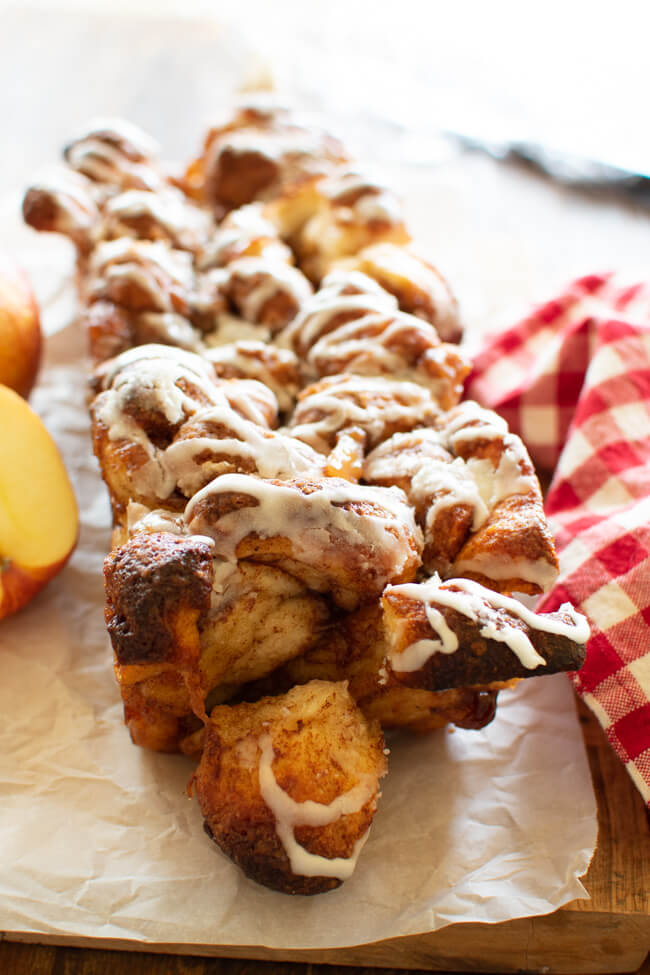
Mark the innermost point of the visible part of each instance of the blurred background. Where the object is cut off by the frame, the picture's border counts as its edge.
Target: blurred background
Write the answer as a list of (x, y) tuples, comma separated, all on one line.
[(409, 84)]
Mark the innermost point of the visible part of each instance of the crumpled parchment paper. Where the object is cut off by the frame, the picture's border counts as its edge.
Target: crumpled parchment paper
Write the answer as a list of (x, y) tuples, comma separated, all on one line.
[(98, 838)]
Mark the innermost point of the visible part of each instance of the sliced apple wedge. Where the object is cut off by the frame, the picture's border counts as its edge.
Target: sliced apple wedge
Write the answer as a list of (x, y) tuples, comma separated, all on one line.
[(20, 330), (39, 519)]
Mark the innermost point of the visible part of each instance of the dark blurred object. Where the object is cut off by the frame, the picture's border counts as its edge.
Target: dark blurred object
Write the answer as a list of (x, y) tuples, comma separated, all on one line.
[(567, 168)]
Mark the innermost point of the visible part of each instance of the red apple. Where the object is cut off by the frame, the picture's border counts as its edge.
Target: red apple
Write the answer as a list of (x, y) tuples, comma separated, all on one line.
[(39, 520), (20, 330)]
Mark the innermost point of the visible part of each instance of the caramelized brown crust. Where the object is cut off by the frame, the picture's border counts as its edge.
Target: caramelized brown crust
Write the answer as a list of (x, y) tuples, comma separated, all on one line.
[(333, 535), (419, 287), (515, 535), (157, 586), (322, 748), (478, 659), (354, 650)]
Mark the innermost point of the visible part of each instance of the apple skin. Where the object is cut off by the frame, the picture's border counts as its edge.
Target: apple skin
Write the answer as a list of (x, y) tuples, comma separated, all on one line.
[(19, 585), (20, 330)]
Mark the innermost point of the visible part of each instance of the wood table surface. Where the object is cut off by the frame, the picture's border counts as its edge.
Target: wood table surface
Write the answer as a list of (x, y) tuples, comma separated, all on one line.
[(505, 237)]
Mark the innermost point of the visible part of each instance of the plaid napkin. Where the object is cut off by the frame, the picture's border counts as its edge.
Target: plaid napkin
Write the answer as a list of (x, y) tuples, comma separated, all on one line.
[(573, 380)]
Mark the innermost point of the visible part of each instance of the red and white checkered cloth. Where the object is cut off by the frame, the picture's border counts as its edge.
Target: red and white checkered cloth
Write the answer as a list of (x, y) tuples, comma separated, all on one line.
[(573, 380)]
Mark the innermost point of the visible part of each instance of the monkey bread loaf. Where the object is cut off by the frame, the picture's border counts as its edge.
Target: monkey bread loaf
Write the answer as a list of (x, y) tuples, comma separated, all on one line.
[(315, 538)]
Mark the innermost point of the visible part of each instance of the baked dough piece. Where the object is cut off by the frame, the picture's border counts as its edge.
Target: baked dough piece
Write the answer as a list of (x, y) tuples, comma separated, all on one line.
[(375, 405), (117, 155), (351, 210), (476, 497), (165, 215), (288, 786), (276, 368), (245, 232), (448, 634), (355, 650), (417, 285), (262, 150), (64, 203), (260, 617), (334, 536), (158, 587), (144, 400), (352, 325), (265, 291)]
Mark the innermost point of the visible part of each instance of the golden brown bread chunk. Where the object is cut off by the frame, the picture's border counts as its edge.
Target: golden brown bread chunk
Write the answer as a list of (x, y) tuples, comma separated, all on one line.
[(352, 325), (288, 786), (457, 632), (354, 650), (245, 232), (376, 405), (476, 498), (140, 417), (513, 551), (265, 291), (335, 536), (276, 368), (441, 490), (417, 285), (166, 215), (260, 618), (117, 154), (346, 212), (158, 587), (64, 204), (261, 151)]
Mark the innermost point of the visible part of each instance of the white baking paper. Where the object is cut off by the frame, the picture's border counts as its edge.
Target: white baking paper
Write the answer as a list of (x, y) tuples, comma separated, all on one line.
[(98, 838)]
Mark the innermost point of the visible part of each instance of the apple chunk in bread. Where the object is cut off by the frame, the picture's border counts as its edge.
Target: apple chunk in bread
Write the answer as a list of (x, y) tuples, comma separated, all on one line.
[(20, 331), (38, 511)]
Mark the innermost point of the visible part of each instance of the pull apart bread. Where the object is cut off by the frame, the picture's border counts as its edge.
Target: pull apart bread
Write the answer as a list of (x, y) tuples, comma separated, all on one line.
[(314, 538)]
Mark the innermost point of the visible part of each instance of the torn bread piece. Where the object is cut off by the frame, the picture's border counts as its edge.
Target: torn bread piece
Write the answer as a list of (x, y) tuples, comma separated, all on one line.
[(335, 536), (288, 786), (457, 632), (354, 649), (158, 586)]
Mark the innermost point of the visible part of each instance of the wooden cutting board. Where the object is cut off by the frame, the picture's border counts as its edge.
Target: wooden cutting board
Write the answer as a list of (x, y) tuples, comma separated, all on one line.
[(609, 933), (472, 215)]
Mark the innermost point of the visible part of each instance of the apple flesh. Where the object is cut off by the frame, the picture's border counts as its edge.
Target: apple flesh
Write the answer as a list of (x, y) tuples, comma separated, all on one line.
[(20, 330), (39, 519)]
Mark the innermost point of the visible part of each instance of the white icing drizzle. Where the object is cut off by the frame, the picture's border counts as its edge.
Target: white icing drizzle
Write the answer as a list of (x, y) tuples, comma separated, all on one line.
[(195, 364), (288, 814), (540, 572), (469, 421), (184, 223), (266, 278), (273, 455), (313, 522), (508, 479), (274, 367), (481, 606), (440, 484), (150, 265), (369, 402)]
